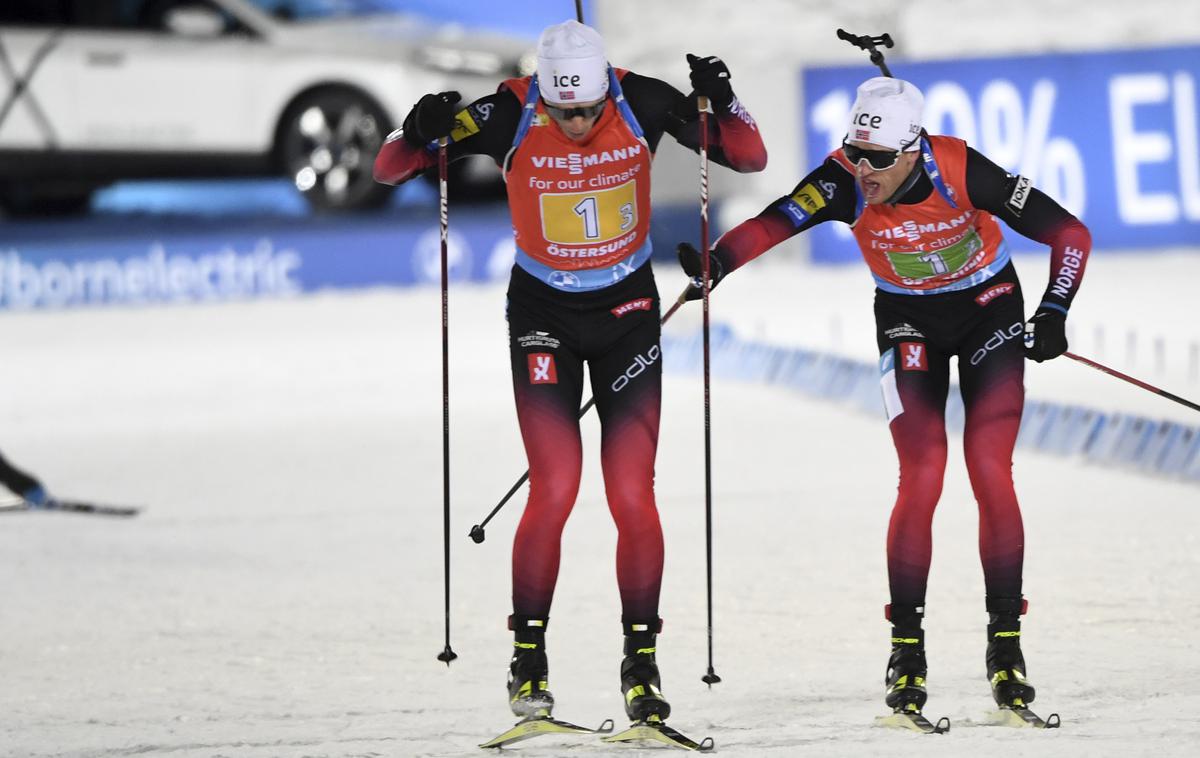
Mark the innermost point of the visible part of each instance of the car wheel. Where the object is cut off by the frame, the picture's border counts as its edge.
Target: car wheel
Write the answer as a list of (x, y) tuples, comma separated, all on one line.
[(327, 145)]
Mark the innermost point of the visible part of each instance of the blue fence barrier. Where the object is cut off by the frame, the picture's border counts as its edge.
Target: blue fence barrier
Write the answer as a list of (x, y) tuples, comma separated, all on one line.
[(1137, 443), (1112, 136)]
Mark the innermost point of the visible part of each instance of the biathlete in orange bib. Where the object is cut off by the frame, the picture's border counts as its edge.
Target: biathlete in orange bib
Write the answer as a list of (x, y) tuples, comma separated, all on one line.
[(575, 143), (923, 210)]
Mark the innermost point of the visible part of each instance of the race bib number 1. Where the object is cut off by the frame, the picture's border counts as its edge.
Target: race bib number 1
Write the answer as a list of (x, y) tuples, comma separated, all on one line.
[(580, 218), (916, 266)]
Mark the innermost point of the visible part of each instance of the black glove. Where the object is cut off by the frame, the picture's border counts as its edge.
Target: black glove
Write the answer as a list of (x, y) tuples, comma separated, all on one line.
[(693, 266), (431, 118), (1045, 335), (710, 77)]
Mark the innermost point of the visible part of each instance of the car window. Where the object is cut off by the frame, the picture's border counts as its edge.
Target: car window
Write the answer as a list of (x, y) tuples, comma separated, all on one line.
[(155, 15)]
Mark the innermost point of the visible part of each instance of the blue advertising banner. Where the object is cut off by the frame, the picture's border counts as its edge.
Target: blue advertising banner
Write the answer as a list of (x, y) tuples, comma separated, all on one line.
[(94, 263), (1112, 136)]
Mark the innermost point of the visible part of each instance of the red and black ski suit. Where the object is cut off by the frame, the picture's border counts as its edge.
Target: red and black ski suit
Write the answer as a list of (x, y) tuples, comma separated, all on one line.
[(944, 288), (582, 292)]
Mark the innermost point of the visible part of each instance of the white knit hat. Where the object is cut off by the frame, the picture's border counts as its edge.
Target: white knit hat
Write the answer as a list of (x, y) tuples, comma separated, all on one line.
[(887, 112), (571, 64)]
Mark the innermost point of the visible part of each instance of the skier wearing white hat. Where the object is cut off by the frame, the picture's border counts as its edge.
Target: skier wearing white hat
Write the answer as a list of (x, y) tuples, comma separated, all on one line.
[(575, 143), (923, 211)]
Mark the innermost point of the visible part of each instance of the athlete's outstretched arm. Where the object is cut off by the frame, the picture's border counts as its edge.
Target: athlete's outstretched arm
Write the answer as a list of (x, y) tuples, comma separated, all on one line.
[(485, 127), (826, 194)]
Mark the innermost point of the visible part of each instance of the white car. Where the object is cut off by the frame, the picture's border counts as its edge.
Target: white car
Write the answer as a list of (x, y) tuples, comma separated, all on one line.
[(92, 91)]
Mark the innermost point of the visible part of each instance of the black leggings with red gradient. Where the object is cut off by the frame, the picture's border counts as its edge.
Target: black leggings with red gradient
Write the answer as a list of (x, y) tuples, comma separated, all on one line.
[(918, 335), (551, 335)]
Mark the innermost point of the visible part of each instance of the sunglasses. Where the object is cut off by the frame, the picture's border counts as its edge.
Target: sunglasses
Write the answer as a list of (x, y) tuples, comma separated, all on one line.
[(880, 160), (566, 114)]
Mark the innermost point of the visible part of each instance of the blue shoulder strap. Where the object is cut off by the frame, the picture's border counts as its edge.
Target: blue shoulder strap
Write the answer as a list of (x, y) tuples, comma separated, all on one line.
[(934, 174), (860, 203), (527, 111), (614, 88)]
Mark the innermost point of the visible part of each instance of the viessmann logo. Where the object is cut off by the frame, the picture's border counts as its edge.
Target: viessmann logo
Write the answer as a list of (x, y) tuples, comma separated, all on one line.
[(574, 163), (912, 231)]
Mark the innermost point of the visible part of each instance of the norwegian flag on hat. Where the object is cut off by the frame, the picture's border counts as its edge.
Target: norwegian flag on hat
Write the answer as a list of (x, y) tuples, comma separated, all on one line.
[(568, 95)]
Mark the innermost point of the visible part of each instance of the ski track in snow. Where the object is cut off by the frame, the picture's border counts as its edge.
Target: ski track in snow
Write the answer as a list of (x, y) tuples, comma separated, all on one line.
[(282, 594)]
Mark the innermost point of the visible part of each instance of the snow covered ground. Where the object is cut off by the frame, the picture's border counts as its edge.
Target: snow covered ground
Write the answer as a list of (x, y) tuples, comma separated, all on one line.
[(282, 595)]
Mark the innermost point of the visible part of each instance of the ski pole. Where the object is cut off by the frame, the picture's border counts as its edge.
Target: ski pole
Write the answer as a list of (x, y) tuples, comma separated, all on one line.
[(1131, 380), (447, 654), (477, 532), (710, 677), (579, 11), (869, 43)]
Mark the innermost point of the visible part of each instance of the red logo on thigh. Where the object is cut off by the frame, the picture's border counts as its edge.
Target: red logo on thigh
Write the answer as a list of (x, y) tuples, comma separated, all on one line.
[(912, 356), (988, 295), (541, 369), (641, 304)]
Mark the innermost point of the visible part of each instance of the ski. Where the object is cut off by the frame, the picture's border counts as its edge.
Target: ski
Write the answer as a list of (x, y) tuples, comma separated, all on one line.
[(534, 726), (655, 730), (913, 721), (1021, 717), (70, 506)]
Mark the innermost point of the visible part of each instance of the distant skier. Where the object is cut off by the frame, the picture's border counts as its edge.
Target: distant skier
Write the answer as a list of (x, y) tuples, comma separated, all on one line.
[(21, 483), (575, 143), (923, 210)]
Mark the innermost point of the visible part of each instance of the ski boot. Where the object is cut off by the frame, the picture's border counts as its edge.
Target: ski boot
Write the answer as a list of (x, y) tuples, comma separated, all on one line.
[(529, 669), (640, 682), (906, 668), (1005, 664)]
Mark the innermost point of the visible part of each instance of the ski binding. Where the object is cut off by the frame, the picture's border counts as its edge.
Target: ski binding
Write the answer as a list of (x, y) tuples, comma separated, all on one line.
[(914, 721), (541, 723), (656, 730), (1019, 716)]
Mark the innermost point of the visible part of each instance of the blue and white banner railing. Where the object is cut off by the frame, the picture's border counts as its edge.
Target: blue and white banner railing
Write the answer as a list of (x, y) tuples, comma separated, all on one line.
[(1113, 439)]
